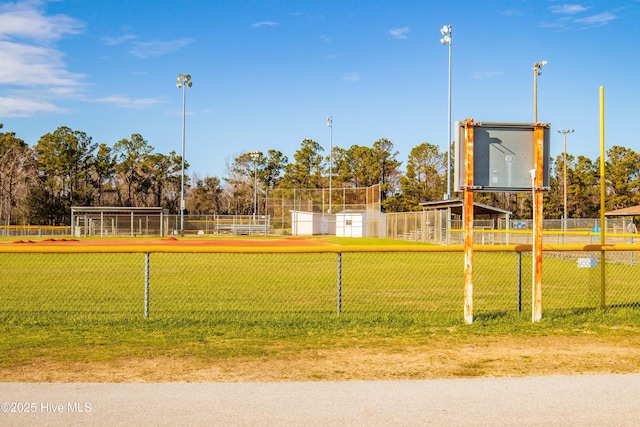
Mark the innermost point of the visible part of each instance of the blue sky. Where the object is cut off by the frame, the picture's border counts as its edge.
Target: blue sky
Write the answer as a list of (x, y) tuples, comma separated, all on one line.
[(266, 74)]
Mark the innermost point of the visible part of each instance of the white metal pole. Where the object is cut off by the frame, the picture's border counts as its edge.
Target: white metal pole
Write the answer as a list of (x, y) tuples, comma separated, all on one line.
[(564, 192), (184, 101), (536, 73), (255, 190), (330, 124), (535, 95), (449, 122), (564, 180), (446, 32)]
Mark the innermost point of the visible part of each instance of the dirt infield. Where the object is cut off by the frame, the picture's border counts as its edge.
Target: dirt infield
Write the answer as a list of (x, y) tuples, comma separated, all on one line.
[(174, 241)]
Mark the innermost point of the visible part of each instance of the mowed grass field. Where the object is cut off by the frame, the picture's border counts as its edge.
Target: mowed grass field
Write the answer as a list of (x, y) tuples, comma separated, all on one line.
[(72, 312)]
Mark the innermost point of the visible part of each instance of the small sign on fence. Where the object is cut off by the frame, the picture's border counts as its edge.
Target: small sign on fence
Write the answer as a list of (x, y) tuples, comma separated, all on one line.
[(587, 262)]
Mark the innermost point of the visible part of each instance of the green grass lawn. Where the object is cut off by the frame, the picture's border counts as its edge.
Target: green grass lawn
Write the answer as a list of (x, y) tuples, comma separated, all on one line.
[(91, 306)]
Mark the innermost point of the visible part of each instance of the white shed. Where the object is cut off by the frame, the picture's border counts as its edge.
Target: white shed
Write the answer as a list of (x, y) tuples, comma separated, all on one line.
[(351, 224), (312, 223)]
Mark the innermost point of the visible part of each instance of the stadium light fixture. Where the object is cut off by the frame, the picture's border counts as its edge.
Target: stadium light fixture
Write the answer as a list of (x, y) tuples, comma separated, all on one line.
[(184, 81), (446, 32)]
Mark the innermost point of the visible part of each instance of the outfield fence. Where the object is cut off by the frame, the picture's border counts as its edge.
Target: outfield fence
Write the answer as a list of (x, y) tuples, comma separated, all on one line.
[(433, 227), (421, 226), (419, 284)]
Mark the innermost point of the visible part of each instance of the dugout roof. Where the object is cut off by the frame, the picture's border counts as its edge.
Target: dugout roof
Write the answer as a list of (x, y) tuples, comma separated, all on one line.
[(113, 210), (630, 211), (479, 209)]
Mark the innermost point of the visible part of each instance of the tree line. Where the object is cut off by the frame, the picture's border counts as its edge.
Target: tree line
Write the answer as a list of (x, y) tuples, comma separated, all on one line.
[(65, 168)]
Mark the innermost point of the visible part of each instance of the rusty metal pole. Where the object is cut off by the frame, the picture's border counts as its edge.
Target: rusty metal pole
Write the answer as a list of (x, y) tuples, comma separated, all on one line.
[(467, 217), (538, 182)]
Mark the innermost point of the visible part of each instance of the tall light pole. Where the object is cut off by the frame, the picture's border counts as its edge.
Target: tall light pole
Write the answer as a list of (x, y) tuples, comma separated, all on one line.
[(184, 81), (564, 180), (447, 39), (330, 124), (536, 73), (255, 155)]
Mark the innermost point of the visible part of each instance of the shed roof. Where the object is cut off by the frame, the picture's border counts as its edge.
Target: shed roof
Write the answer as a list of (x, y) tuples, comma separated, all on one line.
[(630, 211)]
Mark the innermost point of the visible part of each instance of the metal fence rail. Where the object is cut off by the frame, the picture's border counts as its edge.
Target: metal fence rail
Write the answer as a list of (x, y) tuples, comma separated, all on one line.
[(417, 284)]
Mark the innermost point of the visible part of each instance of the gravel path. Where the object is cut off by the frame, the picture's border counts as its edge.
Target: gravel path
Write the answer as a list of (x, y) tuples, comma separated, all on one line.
[(593, 400)]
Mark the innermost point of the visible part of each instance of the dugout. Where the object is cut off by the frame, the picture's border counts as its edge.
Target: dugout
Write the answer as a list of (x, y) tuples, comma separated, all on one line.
[(443, 216), (627, 215), (117, 221)]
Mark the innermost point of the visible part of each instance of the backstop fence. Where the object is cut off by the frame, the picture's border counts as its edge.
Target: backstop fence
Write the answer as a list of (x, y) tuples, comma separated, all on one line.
[(282, 206), (420, 285)]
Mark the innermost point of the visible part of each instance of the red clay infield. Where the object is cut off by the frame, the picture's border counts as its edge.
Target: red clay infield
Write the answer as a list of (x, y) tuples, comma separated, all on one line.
[(180, 241)]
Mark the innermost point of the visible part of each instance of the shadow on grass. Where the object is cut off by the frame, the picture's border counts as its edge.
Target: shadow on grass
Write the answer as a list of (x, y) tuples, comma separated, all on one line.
[(631, 305)]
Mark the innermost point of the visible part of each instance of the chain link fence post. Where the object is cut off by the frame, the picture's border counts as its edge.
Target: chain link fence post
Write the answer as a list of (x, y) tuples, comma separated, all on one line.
[(146, 285), (339, 296)]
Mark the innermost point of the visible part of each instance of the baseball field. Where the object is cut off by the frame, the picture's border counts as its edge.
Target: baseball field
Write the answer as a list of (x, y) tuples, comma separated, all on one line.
[(271, 309)]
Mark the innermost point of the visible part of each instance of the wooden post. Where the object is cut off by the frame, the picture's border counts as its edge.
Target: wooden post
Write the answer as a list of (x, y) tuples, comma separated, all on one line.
[(538, 182), (467, 217)]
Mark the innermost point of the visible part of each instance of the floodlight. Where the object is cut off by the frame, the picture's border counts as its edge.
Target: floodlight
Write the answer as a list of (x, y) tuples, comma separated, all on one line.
[(538, 65), (446, 32)]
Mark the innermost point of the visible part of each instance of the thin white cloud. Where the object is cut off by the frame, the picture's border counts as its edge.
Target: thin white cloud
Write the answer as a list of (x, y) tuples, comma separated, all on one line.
[(513, 12), (32, 69), (568, 17), (31, 65), (22, 107), (568, 9), (25, 21), (114, 41), (597, 20), (264, 24), (481, 75), (155, 49), (122, 101), (351, 77), (400, 33), (146, 49)]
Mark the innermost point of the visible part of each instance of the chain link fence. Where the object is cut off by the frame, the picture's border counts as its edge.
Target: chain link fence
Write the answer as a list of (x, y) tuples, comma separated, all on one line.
[(433, 227), (424, 288), (28, 231)]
